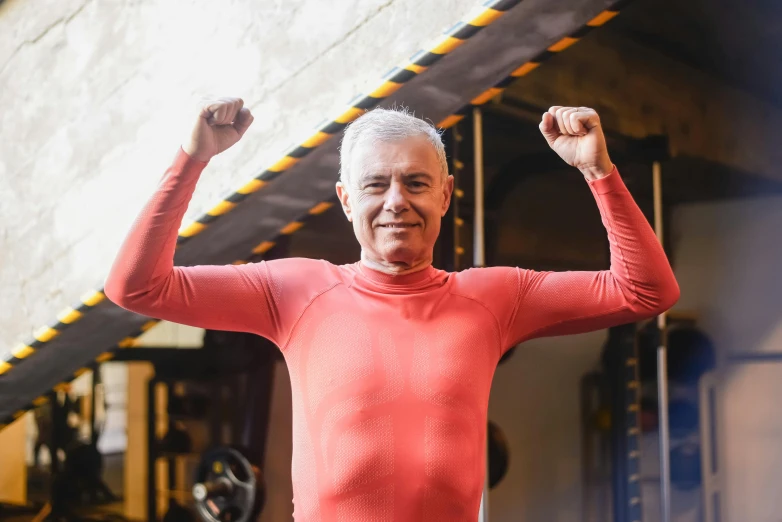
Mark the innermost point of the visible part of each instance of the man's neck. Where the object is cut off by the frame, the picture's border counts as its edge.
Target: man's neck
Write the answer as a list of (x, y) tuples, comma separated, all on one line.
[(391, 268)]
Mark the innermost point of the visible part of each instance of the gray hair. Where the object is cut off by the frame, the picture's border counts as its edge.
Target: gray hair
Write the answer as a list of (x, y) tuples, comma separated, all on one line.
[(383, 125)]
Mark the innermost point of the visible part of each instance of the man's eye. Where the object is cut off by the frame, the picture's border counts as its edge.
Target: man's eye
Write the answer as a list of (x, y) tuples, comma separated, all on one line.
[(417, 184), (375, 185)]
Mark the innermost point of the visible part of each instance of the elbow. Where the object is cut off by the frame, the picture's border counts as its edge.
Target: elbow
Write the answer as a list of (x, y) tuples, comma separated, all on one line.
[(656, 298), (116, 291), (668, 294), (119, 291)]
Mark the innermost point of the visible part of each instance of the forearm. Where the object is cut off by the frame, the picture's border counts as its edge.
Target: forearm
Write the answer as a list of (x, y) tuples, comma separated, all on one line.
[(146, 257)]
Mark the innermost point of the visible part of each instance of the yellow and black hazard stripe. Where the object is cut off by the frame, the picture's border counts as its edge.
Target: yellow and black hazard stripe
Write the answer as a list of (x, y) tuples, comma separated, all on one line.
[(264, 248), (534, 63), (480, 17), (46, 333), (127, 342)]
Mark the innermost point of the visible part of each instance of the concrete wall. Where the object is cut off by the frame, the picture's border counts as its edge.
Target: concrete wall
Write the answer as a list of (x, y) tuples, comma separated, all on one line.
[(535, 400), (728, 258), (97, 96)]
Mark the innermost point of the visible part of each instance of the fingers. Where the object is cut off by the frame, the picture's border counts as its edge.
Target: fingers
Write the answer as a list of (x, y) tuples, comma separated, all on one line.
[(570, 121), (589, 118), (548, 127), (243, 120), (222, 111)]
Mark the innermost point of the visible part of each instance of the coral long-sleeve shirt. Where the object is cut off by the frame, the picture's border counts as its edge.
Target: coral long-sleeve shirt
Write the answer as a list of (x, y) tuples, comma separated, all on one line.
[(390, 375)]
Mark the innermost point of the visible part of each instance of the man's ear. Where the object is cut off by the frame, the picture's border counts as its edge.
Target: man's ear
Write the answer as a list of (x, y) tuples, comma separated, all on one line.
[(447, 193), (344, 199)]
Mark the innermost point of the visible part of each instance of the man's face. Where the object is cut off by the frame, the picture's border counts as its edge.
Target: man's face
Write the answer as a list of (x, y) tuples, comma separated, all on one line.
[(395, 196)]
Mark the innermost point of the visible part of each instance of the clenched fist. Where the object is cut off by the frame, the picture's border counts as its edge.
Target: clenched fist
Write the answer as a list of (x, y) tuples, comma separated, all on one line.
[(576, 135), (220, 124)]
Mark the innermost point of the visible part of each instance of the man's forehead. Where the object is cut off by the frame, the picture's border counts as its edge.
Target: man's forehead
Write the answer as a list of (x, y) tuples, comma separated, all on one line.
[(407, 169)]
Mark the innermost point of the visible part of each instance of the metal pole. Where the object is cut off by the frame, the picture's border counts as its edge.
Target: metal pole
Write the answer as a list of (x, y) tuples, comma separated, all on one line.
[(479, 254), (479, 259), (662, 367), (458, 222)]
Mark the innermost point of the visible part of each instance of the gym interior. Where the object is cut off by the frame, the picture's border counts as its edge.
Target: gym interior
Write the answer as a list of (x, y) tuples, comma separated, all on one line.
[(105, 414)]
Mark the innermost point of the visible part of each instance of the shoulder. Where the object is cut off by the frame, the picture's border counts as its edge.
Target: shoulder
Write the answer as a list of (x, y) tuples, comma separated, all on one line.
[(480, 280), (497, 288), (302, 274)]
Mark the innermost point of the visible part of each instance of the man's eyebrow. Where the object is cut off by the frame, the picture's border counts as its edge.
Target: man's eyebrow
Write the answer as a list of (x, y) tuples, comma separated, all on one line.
[(415, 175), (372, 177)]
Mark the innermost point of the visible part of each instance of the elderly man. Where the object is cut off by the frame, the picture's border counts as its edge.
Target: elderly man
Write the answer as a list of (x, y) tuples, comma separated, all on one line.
[(391, 360)]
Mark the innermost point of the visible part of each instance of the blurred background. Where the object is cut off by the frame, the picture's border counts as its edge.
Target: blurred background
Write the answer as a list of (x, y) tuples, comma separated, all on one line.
[(97, 96)]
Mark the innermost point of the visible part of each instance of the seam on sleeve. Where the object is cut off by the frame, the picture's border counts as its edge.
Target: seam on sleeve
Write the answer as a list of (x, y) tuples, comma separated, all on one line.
[(333, 285), (496, 320), (516, 307), (269, 296)]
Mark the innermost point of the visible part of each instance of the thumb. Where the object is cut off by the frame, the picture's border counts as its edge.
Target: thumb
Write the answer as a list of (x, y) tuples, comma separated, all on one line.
[(242, 121), (548, 127)]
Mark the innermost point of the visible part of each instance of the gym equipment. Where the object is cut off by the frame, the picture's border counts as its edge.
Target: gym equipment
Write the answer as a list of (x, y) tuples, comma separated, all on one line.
[(76, 484), (691, 353), (178, 513), (194, 406), (686, 466), (227, 405), (662, 363), (498, 454), (620, 361), (228, 487), (82, 482), (479, 253), (683, 417), (176, 440)]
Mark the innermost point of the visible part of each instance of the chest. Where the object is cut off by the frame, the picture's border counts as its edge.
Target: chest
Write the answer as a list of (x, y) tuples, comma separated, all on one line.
[(440, 350)]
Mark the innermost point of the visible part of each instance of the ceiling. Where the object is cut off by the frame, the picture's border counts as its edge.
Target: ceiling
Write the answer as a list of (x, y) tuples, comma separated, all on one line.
[(735, 41)]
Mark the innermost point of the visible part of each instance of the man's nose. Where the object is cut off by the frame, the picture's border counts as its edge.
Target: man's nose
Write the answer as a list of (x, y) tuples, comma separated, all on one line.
[(396, 198)]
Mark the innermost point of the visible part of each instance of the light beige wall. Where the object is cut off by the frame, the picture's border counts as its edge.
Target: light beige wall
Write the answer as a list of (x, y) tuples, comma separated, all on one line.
[(535, 400), (728, 257)]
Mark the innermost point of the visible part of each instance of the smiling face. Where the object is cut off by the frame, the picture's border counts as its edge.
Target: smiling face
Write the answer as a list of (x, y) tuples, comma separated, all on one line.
[(395, 196)]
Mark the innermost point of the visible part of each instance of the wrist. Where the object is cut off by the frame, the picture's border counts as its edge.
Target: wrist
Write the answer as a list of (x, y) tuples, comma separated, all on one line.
[(597, 171), (194, 154)]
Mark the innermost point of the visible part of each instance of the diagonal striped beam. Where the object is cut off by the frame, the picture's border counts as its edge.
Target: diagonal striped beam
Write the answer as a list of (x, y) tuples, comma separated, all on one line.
[(532, 64)]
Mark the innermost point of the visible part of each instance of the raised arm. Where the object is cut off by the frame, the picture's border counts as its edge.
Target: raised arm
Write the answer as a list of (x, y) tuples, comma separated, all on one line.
[(143, 277), (640, 282)]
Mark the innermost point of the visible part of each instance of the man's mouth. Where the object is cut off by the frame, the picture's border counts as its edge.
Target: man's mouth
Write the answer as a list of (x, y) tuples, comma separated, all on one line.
[(397, 225)]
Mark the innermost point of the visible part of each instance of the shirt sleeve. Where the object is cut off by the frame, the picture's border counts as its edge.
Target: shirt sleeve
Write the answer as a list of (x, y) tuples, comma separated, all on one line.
[(639, 284), (263, 298)]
